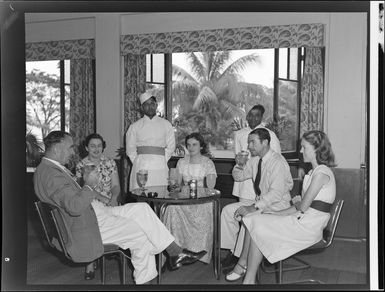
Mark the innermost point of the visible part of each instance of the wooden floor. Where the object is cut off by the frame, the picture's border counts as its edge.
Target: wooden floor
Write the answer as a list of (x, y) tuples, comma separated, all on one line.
[(342, 263)]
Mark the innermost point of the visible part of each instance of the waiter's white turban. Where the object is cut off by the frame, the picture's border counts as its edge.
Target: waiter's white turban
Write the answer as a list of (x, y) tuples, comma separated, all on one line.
[(144, 96)]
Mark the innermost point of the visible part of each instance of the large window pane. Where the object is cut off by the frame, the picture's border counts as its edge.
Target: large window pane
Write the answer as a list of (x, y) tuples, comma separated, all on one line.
[(293, 64), (148, 68), (283, 63), (67, 107), (210, 89), (155, 82), (67, 74), (158, 68), (42, 97), (288, 115), (46, 105)]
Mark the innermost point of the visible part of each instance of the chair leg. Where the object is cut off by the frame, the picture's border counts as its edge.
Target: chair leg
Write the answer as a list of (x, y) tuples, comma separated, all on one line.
[(280, 276), (258, 276), (103, 268), (280, 272), (124, 264), (305, 265)]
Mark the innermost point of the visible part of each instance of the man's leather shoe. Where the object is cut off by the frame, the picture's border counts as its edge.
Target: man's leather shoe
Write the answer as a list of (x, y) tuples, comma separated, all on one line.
[(89, 275), (186, 257)]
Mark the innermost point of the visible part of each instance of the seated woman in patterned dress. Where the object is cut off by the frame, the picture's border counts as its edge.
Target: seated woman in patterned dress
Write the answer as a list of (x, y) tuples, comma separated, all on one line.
[(192, 225), (276, 235), (108, 185)]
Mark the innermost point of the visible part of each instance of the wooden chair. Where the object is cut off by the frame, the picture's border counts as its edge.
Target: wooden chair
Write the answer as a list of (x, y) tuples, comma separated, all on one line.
[(325, 242), (54, 229)]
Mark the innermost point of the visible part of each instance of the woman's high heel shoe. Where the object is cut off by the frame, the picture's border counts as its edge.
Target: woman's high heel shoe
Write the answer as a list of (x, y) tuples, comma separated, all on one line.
[(233, 276)]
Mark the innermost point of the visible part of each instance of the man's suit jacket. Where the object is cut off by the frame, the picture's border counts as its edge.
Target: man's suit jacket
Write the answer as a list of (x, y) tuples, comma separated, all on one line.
[(56, 187)]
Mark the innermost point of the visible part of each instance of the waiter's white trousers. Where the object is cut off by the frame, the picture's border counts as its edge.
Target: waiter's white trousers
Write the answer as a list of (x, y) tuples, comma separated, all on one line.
[(137, 227), (231, 235)]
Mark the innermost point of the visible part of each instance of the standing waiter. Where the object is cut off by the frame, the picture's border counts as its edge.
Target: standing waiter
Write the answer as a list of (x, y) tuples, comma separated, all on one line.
[(150, 143)]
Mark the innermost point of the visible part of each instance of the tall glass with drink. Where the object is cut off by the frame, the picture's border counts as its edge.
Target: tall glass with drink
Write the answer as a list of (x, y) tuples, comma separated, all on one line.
[(242, 158), (173, 179), (141, 178)]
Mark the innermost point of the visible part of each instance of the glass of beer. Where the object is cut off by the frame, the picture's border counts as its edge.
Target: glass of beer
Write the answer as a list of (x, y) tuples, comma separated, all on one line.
[(141, 178)]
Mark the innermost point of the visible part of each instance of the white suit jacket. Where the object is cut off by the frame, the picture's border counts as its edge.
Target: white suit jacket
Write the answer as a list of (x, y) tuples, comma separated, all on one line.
[(245, 189)]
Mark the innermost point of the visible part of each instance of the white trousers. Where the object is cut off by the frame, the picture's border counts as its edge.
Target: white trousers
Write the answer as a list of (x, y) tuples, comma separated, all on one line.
[(231, 235), (137, 227)]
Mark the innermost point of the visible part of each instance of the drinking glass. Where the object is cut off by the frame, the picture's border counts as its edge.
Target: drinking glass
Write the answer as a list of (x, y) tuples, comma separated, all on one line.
[(173, 176), (87, 168), (210, 181), (242, 157), (173, 179), (141, 178)]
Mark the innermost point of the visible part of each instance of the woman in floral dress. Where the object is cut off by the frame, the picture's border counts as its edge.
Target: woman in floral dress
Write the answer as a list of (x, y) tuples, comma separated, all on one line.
[(108, 185), (192, 225)]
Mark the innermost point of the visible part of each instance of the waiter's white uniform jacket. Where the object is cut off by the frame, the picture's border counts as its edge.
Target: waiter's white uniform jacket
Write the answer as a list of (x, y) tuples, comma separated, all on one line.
[(157, 132), (245, 189)]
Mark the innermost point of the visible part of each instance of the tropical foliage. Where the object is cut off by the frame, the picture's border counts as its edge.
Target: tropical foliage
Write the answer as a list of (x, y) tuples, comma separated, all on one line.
[(212, 94), (43, 101)]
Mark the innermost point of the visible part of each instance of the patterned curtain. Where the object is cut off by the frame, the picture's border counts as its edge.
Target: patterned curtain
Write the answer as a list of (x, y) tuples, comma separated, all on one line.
[(134, 84), (81, 53), (82, 101), (262, 37), (60, 50), (312, 91)]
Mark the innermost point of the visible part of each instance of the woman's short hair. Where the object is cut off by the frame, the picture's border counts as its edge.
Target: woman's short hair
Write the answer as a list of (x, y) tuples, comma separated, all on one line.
[(197, 136), (54, 138), (94, 136), (322, 146)]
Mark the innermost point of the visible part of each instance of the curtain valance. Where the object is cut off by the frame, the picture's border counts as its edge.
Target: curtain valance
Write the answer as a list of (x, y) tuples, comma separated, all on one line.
[(60, 50), (262, 37)]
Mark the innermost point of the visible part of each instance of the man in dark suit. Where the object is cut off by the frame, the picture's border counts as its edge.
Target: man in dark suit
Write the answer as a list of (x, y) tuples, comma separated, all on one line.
[(134, 226)]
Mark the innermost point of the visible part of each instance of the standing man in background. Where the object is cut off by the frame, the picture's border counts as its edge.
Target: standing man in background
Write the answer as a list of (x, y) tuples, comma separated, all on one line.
[(150, 143), (231, 233)]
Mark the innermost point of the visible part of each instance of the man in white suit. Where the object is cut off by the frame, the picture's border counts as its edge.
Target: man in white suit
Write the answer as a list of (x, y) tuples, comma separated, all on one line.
[(231, 232)]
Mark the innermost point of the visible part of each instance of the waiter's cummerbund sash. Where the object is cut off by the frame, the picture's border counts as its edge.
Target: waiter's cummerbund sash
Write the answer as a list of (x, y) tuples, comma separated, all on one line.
[(150, 150), (321, 206)]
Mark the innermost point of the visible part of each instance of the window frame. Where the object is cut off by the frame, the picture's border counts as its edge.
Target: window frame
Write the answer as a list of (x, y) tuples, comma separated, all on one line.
[(300, 60), (290, 155), (62, 85)]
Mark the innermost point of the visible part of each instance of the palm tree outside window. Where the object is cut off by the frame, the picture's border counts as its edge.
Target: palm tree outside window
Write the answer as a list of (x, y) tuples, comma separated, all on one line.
[(206, 91)]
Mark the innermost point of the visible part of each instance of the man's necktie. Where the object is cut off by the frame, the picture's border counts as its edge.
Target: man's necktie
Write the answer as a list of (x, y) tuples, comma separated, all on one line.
[(258, 178)]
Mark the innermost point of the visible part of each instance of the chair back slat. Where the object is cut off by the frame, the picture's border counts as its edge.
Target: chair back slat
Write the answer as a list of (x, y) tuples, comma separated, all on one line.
[(62, 231), (54, 226), (330, 229), (44, 211)]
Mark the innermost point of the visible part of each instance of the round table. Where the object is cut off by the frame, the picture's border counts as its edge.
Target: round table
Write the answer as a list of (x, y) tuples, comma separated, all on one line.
[(165, 198)]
